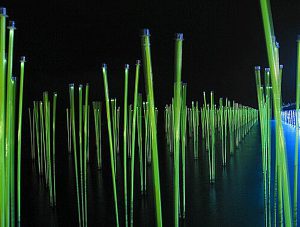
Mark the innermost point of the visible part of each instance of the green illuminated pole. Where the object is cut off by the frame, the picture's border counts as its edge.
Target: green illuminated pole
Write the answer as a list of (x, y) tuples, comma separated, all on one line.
[(177, 110), (33, 120), (139, 133), (48, 145), (280, 80), (97, 120), (88, 135), (124, 142), (115, 123), (68, 133), (146, 144), (149, 134), (2, 113), (53, 145), (225, 127), (207, 129), (172, 126), (118, 129), (169, 115), (212, 121), (221, 118), (194, 130), (20, 138), (104, 71), (145, 45), (232, 134), (31, 134), (41, 126), (72, 112), (190, 122), (203, 126), (268, 142), (81, 153), (8, 126), (42, 135), (197, 127), (100, 133), (12, 156), (85, 150), (36, 117), (43, 147), (136, 88), (114, 129), (95, 111), (129, 129), (167, 124), (70, 130)]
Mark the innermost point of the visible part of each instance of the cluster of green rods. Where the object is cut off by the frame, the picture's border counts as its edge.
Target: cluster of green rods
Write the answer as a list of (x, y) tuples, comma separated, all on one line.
[(82, 155), (97, 110), (289, 117), (230, 123), (39, 122), (265, 115), (8, 112), (42, 147), (279, 211), (135, 121), (132, 127)]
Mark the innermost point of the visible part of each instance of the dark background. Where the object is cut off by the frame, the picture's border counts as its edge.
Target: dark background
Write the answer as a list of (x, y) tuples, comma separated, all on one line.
[(66, 41)]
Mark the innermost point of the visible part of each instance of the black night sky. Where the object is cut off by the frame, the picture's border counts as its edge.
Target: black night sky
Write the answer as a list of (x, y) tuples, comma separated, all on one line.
[(66, 41)]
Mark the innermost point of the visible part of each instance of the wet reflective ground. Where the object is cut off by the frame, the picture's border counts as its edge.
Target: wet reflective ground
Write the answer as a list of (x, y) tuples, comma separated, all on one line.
[(236, 199)]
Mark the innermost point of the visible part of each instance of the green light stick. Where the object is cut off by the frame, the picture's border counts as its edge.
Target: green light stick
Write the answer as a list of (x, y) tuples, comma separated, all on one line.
[(183, 144), (20, 137), (85, 151), (72, 112), (53, 145), (177, 110), (104, 71), (8, 126), (12, 156), (2, 114), (124, 141), (136, 87), (145, 44)]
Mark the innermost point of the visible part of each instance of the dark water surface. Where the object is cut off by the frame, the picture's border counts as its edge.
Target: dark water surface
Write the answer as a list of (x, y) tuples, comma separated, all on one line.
[(236, 199)]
